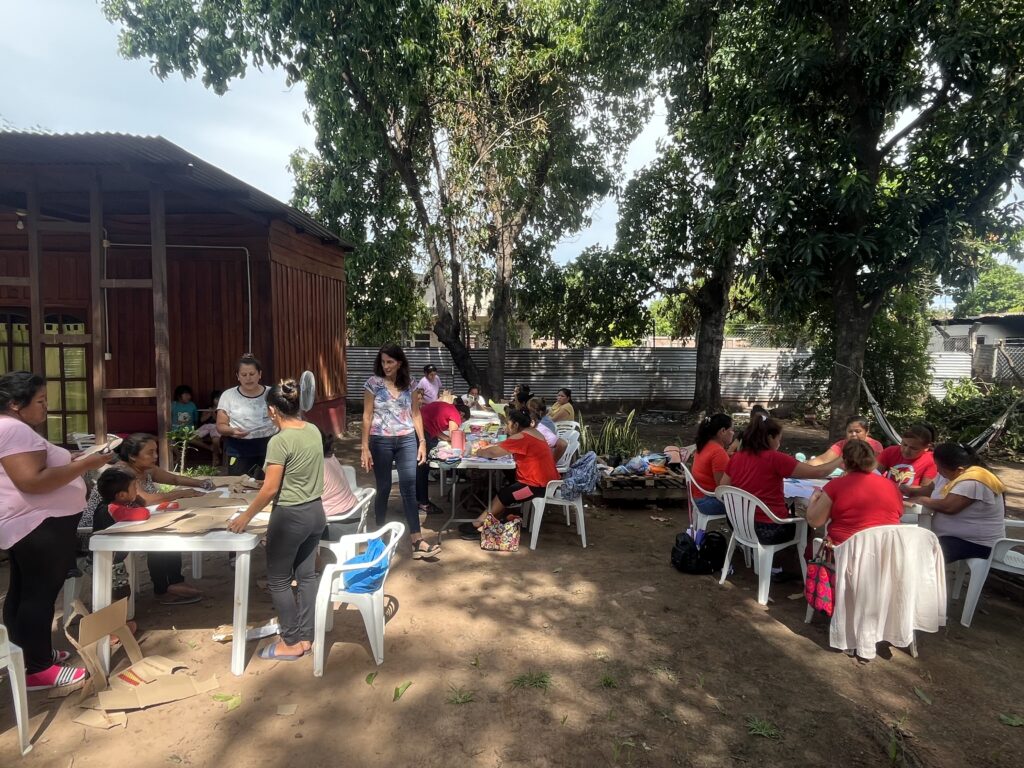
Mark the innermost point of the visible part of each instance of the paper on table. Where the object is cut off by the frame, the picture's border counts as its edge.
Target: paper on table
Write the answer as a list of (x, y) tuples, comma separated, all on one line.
[(798, 489), (107, 447)]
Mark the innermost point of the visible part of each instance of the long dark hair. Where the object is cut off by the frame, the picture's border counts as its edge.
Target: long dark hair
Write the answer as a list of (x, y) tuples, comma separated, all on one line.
[(758, 432), (133, 445), (568, 393), (520, 416), (17, 388), (954, 455), (710, 427), (284, 396), (395, 352)]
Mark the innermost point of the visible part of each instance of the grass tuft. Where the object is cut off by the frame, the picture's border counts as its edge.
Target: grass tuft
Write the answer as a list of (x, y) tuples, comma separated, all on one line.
[(757, 726), (460, 696), (538, 680)]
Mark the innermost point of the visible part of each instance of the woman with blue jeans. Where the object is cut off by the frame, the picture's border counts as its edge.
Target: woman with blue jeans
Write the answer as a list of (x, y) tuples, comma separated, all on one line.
[(393, 437)]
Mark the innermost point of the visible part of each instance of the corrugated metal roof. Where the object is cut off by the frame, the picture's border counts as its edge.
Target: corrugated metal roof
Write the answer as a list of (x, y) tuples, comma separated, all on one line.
[(125, 150)]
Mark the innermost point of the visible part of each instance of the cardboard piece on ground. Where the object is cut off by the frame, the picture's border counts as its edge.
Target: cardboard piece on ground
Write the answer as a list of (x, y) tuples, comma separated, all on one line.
[(225, 632), (287, 709), (105, 720), (145, 682)]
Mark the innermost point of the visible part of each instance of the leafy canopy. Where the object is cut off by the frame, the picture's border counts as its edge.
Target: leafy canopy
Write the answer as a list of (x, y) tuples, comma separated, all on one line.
[(1000, 288)]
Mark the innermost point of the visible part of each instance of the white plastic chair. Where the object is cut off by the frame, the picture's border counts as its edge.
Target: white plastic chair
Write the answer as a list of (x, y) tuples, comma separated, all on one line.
[(567, 426), (364, 501), (740, 507), (551, 497), (572, 450), (698, 520), (332, 590), (1004, 557), (12, 658)]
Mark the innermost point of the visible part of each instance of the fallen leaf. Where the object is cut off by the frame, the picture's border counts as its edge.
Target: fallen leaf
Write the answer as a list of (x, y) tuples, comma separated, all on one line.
[(557, 570), (400, 690), (233, 700), (922, 696), (659, 519), (1012, 720), (287, 709), (370, 678)]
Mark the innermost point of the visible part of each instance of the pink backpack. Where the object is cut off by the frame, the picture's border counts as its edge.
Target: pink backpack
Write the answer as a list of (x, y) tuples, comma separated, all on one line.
[(821, 575)]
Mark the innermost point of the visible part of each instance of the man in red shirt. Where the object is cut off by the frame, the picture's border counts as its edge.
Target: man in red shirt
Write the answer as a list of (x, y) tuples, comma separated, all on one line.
[(440, 417)]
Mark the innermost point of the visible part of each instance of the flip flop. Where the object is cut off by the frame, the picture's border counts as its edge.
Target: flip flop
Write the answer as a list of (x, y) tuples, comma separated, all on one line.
[(170, 599), (269, 653)]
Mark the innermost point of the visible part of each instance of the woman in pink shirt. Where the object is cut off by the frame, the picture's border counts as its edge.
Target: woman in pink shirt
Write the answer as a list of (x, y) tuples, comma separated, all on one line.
[(41, 498)]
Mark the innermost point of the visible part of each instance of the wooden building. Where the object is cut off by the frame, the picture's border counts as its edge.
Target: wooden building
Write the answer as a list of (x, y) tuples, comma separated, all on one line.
[(129, 266)]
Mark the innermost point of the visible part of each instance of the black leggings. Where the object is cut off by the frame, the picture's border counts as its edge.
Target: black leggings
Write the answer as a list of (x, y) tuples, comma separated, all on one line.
[(39, 565), (292, 538), (955, 548)]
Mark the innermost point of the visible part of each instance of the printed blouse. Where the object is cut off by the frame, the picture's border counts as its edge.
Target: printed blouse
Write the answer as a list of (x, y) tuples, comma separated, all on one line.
[(392, 416)]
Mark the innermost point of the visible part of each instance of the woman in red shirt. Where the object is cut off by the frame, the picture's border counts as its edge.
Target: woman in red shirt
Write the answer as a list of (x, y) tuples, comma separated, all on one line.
[(535, 466), (859, 499), (714, 434), (910, 464), (760, 468), (856, 429)]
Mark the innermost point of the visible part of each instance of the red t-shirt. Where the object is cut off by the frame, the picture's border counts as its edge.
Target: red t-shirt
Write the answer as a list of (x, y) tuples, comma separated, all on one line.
[(534, 463), (861, 500), (436, 416), (876, 446), (762, 474), (904, 472), (710, 459)]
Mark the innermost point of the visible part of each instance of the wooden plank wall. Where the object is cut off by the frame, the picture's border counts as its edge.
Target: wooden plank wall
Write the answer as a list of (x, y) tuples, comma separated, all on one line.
[(308, 279)]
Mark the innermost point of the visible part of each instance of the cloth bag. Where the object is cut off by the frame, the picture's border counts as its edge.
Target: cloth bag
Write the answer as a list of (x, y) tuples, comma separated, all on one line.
[(369, 579), (498, 536), (819, 590)]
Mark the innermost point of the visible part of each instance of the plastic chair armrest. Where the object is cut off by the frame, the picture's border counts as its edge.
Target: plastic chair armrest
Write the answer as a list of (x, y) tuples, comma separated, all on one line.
[(1001, 547)]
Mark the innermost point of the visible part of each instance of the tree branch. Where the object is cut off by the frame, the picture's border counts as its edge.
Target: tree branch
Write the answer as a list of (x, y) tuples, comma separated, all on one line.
[(925, 116)]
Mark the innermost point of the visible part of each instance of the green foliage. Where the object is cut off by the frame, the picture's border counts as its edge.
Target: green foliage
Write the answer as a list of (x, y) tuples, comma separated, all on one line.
[(180, 438), (758, 726), (969, 408), (460, 696), (538, 680), (616, 438), (201, 470), (999, 288)]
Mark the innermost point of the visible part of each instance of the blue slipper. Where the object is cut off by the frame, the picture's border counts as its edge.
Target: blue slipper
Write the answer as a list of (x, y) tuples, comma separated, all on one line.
[(268, 652)]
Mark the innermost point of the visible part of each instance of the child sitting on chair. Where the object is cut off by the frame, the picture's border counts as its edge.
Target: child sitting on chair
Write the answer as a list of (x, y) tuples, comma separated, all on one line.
[(119, 490)]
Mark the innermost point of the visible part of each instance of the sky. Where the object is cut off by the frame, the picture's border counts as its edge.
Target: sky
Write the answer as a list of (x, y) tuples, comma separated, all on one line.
[(64, 74)]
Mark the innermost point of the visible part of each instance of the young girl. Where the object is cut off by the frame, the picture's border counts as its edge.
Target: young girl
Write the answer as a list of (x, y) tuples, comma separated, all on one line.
[(759, 468), (295, 484), (183, 411), (535, 466), (714, 435), (910, 464), (856, 429)]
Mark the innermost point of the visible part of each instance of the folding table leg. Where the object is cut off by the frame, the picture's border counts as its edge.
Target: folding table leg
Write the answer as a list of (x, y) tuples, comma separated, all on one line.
[(241, 613)]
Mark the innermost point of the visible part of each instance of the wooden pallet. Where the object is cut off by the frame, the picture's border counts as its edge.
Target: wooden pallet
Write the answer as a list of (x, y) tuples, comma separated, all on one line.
[(639, 487)]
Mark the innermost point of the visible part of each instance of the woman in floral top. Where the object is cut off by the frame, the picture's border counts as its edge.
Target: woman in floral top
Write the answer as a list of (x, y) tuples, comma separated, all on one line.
[(393, 436)]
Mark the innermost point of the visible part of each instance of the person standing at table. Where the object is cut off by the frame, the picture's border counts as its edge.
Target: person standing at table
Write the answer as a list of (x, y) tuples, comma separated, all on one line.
[(41, 497), (859, 499), (440, 419), (430, 384), (393, 437), (760, 468), (563, 409), (295, 485), (243, 421)]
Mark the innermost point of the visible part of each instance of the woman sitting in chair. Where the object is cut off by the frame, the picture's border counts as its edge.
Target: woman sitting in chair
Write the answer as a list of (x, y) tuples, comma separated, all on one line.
[(714, 435), (968, 503), (563, 409), (535, 466), (859, 499), (856, 429), (759, 468)]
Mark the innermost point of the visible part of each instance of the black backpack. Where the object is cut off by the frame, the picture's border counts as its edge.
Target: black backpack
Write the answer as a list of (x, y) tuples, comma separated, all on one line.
[(712, 551), (686, 557)]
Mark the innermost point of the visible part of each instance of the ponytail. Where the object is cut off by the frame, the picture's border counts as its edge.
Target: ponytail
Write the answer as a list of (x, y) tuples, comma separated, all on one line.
[(761, 428), (711, 426)]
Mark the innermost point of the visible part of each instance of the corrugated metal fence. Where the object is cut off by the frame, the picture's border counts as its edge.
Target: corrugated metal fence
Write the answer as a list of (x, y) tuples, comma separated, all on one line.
[(755, 375)]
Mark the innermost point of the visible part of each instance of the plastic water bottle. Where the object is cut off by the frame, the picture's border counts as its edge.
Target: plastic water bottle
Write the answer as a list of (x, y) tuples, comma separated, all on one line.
[(800, 457)]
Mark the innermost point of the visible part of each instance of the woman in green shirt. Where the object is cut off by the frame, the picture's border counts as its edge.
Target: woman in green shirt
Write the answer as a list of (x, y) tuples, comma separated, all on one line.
[(294, 483)]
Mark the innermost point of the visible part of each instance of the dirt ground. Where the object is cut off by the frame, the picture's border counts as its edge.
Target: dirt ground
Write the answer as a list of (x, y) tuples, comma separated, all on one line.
[(646, 666)]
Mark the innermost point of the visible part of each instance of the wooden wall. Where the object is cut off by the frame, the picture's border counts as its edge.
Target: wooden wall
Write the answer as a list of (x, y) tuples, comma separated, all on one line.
[(308, 281)]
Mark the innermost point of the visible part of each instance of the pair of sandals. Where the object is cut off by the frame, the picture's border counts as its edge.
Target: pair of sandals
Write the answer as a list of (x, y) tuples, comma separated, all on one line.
[(423, 550)]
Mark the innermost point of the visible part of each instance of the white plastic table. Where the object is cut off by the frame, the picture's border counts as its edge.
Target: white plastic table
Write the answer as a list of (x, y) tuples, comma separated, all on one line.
[(104, 546)]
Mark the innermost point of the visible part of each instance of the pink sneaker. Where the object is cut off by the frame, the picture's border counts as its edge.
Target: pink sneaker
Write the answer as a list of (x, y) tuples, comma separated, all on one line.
[(54, 677)]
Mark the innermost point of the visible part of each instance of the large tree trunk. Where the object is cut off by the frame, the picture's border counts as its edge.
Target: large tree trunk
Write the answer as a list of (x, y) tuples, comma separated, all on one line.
[(852, 318), (712, 307)]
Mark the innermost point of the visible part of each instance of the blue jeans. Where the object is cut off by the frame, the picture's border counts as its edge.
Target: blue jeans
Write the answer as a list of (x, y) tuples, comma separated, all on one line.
[(399, 452), (710, 505)]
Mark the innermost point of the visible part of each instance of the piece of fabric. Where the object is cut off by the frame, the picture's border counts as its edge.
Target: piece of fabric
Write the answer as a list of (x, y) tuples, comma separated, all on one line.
[(301, 452), (549, 435), (337, 498), (547, 422), (982, 522), (707, 461), (890, 581), (430, 389), (292, 538), (710, 505), (903, 471), (534, 463), (39, 564), (978, 475), (564, 412), (954, 549), (247, 413), (436, 416), (21, 513), (367, 580), (400, 453), (184, 414), (774, 533), (762, 474), (392, 416), (581, 477), (861, 500), (837, 447), (133, 513)]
